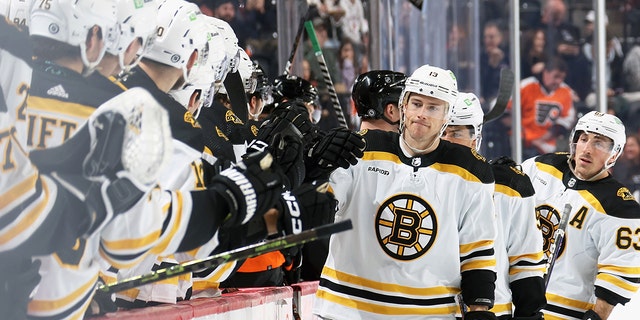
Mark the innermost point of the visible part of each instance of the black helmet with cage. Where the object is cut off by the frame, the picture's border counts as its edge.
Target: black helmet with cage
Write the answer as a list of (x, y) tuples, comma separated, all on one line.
[(289, 87)]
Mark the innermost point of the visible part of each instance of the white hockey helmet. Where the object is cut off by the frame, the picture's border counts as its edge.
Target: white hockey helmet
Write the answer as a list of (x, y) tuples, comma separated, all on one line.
[(17, 11), (136, 20), (230, 44), (246, 69), (176, 38), (432, 82), (604, 124), (467, 111), (70, 21)]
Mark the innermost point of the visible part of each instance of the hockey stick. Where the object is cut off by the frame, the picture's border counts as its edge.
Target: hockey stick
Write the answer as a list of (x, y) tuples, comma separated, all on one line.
[(296, 43), (249, 251), (325, 73), (235, 91), (558, 240), (504, 95)]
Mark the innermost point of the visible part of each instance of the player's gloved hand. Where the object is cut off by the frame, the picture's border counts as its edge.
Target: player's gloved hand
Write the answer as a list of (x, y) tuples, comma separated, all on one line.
[(251, 187), (308, 206), (287, 150), (341, 147), (480, 315), (289, 117), (591, 315), (537, 316), (101, 303)]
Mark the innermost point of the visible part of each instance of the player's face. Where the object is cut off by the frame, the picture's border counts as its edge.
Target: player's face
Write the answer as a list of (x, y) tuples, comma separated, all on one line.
[(592, 152), (460, 134), (423, 119)]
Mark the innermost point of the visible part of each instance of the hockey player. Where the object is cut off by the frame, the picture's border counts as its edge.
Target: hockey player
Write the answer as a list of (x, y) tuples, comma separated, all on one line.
[(518, 246), (423, 219), (597, 265), (39, 213), (375, 95), (165, 226)]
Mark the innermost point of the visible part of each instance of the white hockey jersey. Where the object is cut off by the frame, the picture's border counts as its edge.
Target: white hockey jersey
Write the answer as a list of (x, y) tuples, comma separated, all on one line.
[(599, 257), (519, 245), (419, 222)]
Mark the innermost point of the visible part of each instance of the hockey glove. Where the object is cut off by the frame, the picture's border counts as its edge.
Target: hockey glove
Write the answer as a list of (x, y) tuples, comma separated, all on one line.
[(480, 315), (287, 150), (306, 207), (251, 187), (339, 148), (291, 117), (591, 315), (537, 316)]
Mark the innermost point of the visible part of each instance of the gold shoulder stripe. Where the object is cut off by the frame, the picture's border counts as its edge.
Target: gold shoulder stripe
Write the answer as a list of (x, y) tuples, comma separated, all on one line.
[(549, 169), (457, 170), (57, 106), (381, 155), (507, 190), (593, 201)]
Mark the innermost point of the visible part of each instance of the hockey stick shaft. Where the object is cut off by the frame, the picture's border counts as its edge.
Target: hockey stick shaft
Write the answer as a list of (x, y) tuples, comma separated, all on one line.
[(233, 255), (558, 240), (504, 95), (325, 73), (296, 43)]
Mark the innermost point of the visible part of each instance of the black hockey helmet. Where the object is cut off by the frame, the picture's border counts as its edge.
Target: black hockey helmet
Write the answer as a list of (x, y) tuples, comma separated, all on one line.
[(289, 87), (373, 90)]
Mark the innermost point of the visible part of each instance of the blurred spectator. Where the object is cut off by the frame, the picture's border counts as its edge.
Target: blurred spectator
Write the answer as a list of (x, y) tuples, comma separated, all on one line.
[(631, 70), (493, 57), (613, 69), (627, 168), (532, 52), (259, 18), (458, 56), (354, 26), (349, 68), (548, 113)]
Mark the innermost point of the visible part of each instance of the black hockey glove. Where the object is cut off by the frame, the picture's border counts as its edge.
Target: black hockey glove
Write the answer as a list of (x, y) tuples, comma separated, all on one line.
[(341, 147), (251, 187), (291, 117), (480, 315), (287, 150), (101, 303), (306, 207), (591, 315), (537, 316)]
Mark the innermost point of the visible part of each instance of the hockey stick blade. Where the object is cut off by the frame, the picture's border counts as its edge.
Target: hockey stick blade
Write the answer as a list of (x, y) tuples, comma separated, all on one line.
[(235, 90), (558, 240), (504, 95), (417, 3), (249, 251)]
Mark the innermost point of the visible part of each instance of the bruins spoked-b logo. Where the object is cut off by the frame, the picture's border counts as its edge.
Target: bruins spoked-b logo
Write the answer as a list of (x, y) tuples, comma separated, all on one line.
[(406, 226), (549, 220)]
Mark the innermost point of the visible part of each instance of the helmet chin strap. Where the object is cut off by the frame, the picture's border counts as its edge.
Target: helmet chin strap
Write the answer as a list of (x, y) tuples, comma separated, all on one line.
[(572, 168)]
